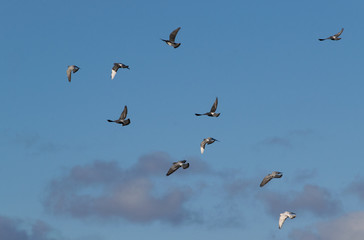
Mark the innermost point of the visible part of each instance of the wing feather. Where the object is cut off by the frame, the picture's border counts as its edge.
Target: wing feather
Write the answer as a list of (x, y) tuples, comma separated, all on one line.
[(124, 113), (214, 106), (173, 35)]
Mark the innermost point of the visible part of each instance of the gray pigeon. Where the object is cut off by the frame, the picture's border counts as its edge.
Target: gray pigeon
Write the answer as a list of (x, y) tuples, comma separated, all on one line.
[(269, 177), (70, 69), (116, 67), (208, 140), (212, 112), (284, 216), (177, 165), (172, 37), (333, 37), (122, 117)]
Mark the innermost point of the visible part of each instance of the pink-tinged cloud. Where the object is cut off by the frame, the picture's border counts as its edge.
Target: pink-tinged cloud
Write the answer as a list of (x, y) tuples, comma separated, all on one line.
[(347, 227), (13, 229), (106, 190), (312, 199)]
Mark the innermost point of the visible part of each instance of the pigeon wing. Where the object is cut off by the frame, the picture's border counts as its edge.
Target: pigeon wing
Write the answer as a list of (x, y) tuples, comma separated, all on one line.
[(69, 70), (124, 113), (339, 33), (173, 169), (173, 35), (214, 106), (282, 218), (203, 144), (266, 179)]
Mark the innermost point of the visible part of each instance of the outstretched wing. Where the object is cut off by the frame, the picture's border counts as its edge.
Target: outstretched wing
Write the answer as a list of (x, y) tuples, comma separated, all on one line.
[(282, 218), (69, 70), (124, 113), (203, 144), (266, 179), (339, 33), (173, 35), (173, 169), (214, 106)]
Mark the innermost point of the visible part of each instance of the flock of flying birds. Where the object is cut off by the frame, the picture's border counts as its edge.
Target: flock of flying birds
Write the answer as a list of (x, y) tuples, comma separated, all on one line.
[(212, 113)]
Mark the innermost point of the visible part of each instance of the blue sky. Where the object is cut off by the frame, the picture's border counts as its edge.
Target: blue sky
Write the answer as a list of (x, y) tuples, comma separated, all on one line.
[(288, 102)]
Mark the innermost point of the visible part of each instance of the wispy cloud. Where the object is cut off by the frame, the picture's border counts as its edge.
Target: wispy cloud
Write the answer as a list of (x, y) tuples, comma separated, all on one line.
[(356, 188), (285, 141), (313, 199), (349, 226), (31, 143), (15, 229)]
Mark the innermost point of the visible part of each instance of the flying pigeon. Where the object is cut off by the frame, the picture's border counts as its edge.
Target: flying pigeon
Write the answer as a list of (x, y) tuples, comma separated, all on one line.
[(284, 216), (177, 165), (172, 37), (116, 67), (269, 177), (212, 112), (208, 140), (333, 37), (70, 69), (122, 117)]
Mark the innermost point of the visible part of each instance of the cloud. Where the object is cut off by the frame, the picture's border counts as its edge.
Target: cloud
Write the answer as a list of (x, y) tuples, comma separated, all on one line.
[(312, 199), (105, 190), (356, 188), (286, 141), (349, 226), (31, 143), (14, 229)]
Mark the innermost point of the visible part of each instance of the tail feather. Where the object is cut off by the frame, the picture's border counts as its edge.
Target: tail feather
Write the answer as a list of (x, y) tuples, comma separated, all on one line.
[(186, 165), (322, 39), (198, 114), (110, 120), (217, 114)]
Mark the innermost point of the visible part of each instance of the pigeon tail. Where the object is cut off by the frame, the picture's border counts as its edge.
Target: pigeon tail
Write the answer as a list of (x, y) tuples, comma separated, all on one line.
[(185, 165), (126, 122), (217, 114), (177, 45)]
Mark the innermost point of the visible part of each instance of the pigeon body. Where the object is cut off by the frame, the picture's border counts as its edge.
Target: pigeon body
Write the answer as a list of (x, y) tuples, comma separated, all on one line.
[(284, 216), (71, 69), (212, 112), (172, 37), (116, 67), (122, 119), (177, 165), (269, 177), (333, 37), (208, 140)]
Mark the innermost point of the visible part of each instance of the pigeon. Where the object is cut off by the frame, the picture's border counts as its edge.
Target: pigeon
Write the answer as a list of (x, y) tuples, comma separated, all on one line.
[(116, 67), (177, 165), (172, 37), (269, 177), (70, 69), (333, 37), (212, 112), (284, 216), (208, 140), (122, 117)]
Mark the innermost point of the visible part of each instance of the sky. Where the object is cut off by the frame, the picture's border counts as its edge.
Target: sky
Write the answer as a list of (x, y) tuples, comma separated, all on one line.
[(288, 103)]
